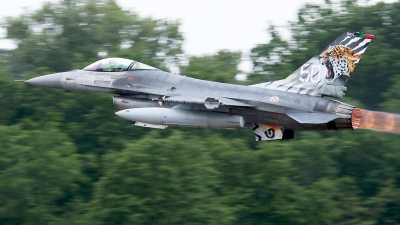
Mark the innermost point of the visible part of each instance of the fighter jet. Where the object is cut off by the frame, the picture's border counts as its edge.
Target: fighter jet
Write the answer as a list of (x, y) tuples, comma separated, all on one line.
[(153, 98)]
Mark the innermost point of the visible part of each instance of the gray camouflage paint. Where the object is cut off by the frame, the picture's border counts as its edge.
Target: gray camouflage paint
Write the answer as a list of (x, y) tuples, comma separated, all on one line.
[(294, 103)]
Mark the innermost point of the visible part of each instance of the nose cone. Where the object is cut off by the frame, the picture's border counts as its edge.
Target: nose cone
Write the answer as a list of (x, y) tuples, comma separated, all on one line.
[(49, 81), (124, 114)]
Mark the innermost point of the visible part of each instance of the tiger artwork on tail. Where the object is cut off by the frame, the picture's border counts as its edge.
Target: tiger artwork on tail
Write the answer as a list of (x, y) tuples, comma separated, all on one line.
[(327, 72), (339, 60)]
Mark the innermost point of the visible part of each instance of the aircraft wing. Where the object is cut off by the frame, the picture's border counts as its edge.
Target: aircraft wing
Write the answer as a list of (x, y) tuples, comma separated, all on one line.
[(130, 90), (209, 102), (214, 103), (229, 101)]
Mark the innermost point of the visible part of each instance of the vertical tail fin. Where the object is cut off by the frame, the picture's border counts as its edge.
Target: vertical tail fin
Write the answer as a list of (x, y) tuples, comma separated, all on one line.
[(326, 73)]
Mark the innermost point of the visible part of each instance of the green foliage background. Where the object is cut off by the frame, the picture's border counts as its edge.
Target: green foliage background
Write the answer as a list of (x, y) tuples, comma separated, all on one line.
[(65, 158)]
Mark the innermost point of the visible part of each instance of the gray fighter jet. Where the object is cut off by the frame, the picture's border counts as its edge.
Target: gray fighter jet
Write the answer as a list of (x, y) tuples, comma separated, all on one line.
[(274, 110)]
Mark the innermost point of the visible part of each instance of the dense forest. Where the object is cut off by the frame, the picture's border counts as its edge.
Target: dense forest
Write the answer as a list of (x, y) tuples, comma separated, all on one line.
[(65, 158)]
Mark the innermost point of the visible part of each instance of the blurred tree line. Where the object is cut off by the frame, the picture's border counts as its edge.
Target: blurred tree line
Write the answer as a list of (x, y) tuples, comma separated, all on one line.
[(65, 158)]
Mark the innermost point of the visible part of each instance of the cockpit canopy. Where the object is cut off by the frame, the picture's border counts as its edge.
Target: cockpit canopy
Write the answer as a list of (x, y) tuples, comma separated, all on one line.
[(116, 65)]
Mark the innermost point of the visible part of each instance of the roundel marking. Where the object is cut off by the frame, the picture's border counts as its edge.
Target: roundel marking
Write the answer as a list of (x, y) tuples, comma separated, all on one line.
[(274, 99)]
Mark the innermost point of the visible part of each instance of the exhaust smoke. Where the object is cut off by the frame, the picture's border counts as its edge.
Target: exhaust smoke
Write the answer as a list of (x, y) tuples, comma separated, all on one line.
[(373, 120)]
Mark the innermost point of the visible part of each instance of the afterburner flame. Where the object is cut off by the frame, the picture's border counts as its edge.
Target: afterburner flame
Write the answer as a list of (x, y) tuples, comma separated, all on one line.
[(373, 120)]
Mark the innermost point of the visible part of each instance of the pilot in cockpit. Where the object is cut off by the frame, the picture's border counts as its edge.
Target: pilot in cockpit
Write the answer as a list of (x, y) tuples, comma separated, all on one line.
[(117, 65)]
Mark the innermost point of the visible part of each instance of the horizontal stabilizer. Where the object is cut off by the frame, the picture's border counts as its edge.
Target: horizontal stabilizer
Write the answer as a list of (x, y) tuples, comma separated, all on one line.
[(312, 118)]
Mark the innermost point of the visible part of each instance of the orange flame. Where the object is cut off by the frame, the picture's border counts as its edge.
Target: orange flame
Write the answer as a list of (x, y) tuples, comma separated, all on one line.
[(373, 120)]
